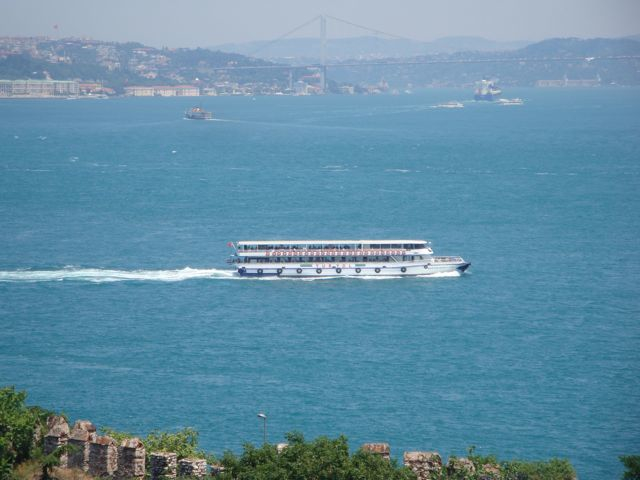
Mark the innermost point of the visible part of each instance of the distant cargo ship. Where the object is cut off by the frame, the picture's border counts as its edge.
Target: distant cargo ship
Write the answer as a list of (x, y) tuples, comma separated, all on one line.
[(198, 113), (487, 91)]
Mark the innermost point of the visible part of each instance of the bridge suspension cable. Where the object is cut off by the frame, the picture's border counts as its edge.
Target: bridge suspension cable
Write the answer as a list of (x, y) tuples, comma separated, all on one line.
[(284, 35), (372, 30)]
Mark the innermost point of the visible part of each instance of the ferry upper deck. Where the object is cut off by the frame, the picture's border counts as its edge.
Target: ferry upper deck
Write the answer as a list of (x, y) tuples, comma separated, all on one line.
[(267, 245)]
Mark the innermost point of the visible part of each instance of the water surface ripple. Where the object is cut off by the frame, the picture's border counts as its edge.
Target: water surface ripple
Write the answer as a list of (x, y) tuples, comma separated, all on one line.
[(116, 304)]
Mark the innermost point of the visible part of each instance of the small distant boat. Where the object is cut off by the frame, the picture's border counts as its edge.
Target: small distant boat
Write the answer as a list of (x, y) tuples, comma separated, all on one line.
[(511, 101), (198, 113), (449, 105), (487, 90)]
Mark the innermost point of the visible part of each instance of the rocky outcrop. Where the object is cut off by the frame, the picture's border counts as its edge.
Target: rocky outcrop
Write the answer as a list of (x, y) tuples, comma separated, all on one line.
[(103, 457), (131, 459), (381, 449), (192, 467), (426, 465), (163, 465)]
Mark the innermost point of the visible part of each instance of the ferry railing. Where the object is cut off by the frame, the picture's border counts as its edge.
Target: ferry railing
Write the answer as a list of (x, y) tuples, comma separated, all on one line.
[(446, 259)]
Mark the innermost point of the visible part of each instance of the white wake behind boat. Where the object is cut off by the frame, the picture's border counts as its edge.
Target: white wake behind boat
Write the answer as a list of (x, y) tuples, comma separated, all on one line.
[(449, 105), (340, 258)]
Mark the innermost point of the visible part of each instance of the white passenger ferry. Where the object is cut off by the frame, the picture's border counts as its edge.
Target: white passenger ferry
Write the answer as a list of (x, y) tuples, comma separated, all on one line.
[(340, 258)]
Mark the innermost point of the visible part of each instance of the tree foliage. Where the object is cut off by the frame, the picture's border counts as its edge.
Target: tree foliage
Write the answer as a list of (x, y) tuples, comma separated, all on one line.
[(184, 443), (49, 462), (320, 459), (115, 434), (21, 428), (632, 467), (554, 469)]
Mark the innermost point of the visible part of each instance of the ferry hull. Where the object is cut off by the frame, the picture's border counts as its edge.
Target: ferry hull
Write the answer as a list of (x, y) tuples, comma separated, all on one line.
[(319, 271)]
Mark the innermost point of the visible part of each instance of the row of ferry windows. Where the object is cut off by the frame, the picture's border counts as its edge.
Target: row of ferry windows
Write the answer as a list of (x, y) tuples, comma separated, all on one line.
[(354, 246), (405, 258)]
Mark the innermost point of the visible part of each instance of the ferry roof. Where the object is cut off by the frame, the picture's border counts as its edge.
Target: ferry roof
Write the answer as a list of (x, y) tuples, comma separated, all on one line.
[(325, 242)]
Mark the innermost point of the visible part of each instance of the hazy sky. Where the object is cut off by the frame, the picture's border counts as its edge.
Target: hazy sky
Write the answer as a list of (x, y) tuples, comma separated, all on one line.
[(190, 23)]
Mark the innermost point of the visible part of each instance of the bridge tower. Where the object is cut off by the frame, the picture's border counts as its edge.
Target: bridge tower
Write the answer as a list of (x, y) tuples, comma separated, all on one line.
[(323, 53)]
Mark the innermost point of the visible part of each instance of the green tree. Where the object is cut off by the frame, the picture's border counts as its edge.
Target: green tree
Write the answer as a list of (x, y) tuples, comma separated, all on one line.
[(554, 469), (115, 434), (632, 467), (49, 462), (21, 428), (183, 443), (320, 459), (367, 466)]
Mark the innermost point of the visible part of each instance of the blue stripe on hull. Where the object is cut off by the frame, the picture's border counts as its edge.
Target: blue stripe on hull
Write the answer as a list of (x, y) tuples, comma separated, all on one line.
[(252, 274)]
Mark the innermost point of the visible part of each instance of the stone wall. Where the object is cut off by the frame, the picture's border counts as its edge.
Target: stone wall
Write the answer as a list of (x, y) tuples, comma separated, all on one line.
[(192, 467), (460, 467), (426, 465), (163, 465), (381, 449), (57, 436), (83, 433), (103, 457), (131, 459)]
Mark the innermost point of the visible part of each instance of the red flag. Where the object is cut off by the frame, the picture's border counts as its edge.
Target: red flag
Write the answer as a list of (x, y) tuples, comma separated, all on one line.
[(229, 244)]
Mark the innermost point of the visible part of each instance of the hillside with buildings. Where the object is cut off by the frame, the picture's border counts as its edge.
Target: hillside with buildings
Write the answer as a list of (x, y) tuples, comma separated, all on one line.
[(40, 66)]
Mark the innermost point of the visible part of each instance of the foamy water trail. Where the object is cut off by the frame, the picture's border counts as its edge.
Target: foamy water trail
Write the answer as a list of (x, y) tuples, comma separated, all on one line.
[(455, 273), (99, 275)]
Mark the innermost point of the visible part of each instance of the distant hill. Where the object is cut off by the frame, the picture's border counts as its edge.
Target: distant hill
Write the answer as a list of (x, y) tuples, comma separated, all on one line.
[(121, 64), (468, 60), (472, 44), (366, 47), (466, 68), (593, 47)]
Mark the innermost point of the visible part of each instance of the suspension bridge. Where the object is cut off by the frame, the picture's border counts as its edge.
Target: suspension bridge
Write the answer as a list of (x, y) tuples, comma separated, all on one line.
[(323, 65)]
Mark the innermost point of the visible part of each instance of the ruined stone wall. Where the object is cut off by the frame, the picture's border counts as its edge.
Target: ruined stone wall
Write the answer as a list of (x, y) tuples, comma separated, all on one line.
[(83, 433), (192, 467), (131, 459), (426, 465), (163, 465), (103, 457), (57, 436), (381, 449), (460, 467)]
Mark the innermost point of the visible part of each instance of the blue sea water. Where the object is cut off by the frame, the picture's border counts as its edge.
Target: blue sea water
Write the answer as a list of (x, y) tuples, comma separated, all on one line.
[(116, 304)]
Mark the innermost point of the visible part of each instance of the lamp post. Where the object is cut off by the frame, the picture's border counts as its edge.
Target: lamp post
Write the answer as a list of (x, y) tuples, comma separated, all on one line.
[(264, 426)]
